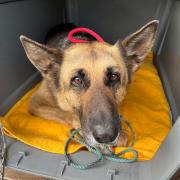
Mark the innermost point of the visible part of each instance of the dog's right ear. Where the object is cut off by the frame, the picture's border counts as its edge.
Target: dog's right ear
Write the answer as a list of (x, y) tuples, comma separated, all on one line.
[(41, 56)]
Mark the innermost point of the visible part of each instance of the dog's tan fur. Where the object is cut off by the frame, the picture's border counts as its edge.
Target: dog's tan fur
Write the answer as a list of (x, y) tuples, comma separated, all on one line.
[(94, 58), (60, 103)]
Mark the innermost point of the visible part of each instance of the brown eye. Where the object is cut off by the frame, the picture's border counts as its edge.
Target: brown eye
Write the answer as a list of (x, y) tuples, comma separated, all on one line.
[(114, 77), (77, 81)]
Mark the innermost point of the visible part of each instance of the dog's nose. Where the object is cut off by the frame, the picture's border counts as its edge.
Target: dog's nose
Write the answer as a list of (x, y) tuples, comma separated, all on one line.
[(102, 135)]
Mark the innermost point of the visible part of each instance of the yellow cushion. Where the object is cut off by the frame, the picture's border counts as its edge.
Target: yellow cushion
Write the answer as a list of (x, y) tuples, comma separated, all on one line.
[(145, 107)]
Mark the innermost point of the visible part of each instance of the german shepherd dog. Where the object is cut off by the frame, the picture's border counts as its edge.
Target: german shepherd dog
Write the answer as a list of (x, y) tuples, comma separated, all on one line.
[(84, 83)]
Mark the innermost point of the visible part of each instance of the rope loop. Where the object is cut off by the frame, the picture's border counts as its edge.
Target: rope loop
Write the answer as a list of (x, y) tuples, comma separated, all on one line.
[(76, 136)]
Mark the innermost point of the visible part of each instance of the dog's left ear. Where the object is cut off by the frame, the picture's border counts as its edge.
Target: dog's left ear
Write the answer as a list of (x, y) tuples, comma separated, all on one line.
[(136, 46)]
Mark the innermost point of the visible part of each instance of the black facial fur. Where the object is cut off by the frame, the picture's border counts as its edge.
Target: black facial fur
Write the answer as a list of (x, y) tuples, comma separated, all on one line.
[(85, 80), (109, 73)]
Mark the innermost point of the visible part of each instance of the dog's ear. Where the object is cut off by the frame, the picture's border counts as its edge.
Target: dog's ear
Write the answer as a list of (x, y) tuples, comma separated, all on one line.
[(136, 46), (42, 57)]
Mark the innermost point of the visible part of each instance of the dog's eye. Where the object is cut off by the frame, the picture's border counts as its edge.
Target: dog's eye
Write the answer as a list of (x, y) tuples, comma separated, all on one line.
[(77, 81), (113, 77)]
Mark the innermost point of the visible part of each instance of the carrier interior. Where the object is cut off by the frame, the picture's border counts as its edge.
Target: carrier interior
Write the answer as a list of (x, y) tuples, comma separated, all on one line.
[(112, 19)]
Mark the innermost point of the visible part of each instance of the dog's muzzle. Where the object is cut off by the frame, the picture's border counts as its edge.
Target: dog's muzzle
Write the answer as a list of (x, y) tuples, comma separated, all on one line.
[(105, 128), (101, 120), (104, 135)]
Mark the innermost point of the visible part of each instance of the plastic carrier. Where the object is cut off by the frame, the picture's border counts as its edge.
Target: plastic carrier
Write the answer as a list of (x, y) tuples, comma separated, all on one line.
[(112, 19)]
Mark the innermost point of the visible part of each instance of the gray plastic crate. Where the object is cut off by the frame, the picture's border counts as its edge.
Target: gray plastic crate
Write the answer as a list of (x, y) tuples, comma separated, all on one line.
[(112, 19), (24, 158)]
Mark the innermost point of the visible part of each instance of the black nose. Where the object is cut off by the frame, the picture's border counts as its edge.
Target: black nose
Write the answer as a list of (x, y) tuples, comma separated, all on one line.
[(102, 135)]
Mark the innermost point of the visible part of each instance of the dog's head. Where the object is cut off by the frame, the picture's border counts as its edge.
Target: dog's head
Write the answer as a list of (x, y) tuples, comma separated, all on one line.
[(90, 79)]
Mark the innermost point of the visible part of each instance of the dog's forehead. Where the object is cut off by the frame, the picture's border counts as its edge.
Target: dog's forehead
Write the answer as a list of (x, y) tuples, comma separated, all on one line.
[(88, 50), (82, 55), (94, 58)]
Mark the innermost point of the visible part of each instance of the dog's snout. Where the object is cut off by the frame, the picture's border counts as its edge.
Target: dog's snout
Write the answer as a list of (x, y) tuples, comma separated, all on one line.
[(102, 135), (102, 118)]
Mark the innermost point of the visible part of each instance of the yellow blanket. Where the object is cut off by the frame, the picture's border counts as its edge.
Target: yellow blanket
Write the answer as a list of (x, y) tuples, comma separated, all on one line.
[(145, 107)]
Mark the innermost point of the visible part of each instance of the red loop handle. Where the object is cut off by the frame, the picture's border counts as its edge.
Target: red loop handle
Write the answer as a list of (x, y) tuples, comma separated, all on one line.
[(82, 29)]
